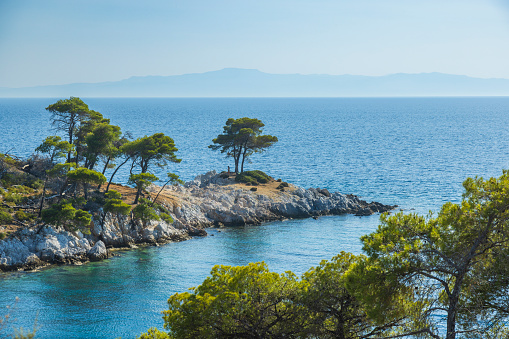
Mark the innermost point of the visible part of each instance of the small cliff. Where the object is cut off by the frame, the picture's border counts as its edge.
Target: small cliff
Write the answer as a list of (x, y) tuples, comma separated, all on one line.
[(208, 200)]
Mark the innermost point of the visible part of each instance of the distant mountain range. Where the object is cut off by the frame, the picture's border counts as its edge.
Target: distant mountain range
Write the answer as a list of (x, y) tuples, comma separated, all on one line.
[(235, 82)]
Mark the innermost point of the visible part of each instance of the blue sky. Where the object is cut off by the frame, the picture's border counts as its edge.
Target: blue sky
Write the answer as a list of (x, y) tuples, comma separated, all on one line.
[(66, 41)]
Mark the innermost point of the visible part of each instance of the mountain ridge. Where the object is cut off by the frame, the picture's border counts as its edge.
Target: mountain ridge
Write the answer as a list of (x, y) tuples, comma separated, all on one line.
[(239, 82)]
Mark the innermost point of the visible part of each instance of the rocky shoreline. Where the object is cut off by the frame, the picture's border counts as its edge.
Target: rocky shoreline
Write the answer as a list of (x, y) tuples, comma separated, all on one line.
[(209, 200)]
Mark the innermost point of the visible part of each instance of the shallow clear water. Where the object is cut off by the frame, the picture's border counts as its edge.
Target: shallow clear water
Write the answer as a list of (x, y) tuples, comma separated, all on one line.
[(414, 152)]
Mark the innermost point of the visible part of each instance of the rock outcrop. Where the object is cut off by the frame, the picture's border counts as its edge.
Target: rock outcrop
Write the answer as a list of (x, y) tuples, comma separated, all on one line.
[(211, 200), (208, 200)]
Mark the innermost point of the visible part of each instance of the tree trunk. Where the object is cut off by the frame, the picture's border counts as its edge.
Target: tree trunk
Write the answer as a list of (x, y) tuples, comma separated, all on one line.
[(452, 310), (85, 190), (243, 158), (157, 196), (138, 192), (106, 165), (43, 195), (115, 172), (64, 185), (236, 156)]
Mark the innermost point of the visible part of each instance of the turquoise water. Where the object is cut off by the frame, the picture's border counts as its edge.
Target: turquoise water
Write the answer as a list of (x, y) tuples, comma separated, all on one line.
[(414, 152)]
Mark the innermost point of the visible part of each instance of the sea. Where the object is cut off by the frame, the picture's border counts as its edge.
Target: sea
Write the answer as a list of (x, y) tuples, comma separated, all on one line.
[(410, 152)]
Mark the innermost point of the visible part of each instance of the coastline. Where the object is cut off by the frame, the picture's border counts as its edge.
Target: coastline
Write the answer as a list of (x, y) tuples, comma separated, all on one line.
[(210, 200)]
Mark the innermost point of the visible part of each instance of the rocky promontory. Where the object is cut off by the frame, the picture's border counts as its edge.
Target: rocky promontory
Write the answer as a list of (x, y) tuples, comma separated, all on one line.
[(209, 200)]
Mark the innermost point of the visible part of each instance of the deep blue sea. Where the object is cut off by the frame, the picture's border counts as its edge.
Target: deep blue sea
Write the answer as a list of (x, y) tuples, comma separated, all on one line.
[(413, 152)]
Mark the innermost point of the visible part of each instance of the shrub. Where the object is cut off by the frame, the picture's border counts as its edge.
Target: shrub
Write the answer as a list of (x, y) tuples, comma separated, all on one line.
[(15, 198), (22, 216), (3, 235), (5, 217), (35, 183), (145, 213), (66, 215), (253, 177), (254, 189), (166, 217), (282, 185)]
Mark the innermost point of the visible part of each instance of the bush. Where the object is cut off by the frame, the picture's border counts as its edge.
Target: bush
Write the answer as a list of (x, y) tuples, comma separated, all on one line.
[(5, 217), (65, 214), (145, 213), (22, 216), (3, 235), (253, 177), (166, 217), (282, 186)]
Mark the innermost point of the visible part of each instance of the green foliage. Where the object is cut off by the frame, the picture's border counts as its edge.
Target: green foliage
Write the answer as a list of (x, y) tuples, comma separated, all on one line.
[(64, 214), (101, 141), (5, 217), (3, 235), (237, 302), (114, 204), (241, 138), (157, 149), (5, 158), (22, 216), (113, 194), (456, 261), (18, 333), (167, 218), (282, 185), (144, 212), (154, 333), (141, 181), (55, 147), (61, 169), (86, 176), (15, 198), (252, 302), (82, 220), (253, 177)]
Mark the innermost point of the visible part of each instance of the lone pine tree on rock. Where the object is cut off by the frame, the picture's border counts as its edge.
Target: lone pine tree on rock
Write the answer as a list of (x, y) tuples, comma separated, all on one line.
[(241, 138)]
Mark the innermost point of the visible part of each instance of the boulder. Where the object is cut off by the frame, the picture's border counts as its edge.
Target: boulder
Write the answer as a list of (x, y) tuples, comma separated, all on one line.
[(98, 252)]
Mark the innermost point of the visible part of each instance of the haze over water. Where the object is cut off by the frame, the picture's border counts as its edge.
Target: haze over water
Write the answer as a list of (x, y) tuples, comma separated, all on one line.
[(413, 152)]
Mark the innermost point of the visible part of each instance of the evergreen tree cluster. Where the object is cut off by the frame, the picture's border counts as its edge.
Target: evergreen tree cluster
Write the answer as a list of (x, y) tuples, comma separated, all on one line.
[(439, 276)]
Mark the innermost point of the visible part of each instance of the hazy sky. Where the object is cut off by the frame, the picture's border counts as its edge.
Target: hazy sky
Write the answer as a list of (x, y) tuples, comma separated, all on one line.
[(65, 41)]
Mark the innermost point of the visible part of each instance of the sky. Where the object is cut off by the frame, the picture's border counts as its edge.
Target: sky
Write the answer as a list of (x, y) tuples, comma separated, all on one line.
[(55, 42)]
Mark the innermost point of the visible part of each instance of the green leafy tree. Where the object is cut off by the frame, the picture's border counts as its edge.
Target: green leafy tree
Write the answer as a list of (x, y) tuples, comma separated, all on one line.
[(86, 177), (237, 302), (157, 149), (333, 310), (67, 115), (56, 148), (154, 333), (442, 263), (141, 181), (241, 138), (110, 156), (58, 172), (122, 151), (114, 205), (145, 212), (100, 142), (64, 214)]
